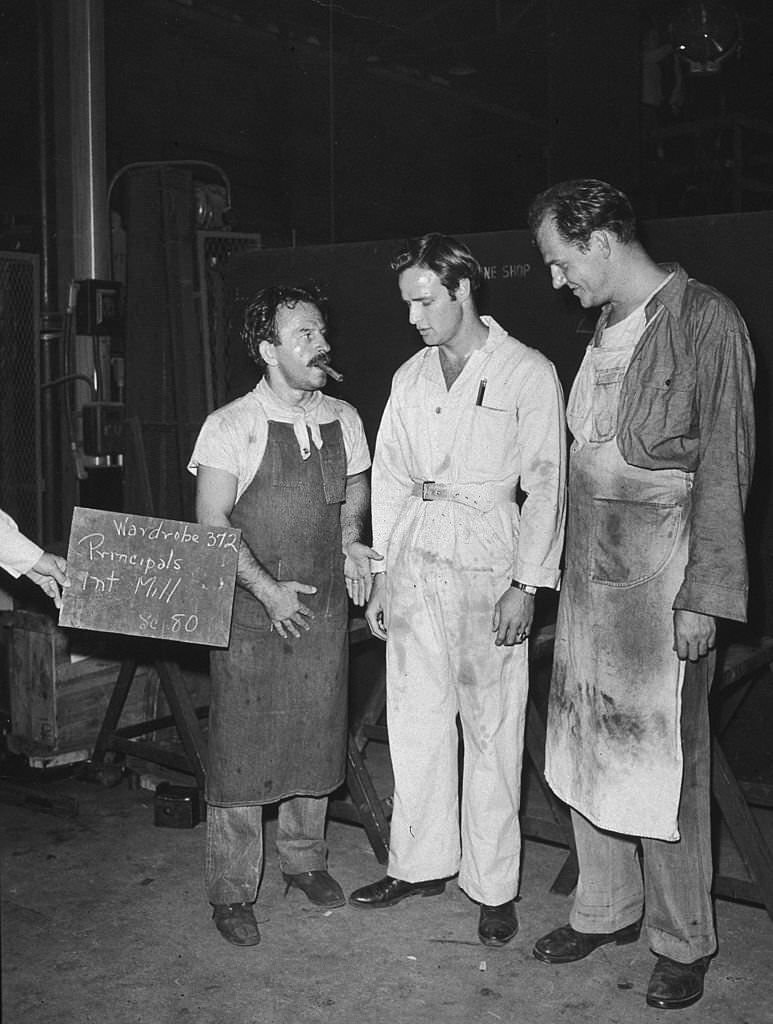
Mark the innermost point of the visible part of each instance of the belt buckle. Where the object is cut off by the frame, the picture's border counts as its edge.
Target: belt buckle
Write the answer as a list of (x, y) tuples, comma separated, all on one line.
[(425, 492)]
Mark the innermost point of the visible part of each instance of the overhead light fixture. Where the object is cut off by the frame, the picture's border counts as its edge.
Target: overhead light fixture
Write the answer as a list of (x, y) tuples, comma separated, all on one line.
[(705, 35)]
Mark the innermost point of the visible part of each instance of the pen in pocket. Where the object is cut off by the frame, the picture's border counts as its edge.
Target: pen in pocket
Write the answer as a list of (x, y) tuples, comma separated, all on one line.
[(481, 391)]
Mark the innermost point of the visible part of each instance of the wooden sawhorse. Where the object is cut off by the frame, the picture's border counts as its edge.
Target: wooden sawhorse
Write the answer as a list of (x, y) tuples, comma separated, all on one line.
[(739, 666), (364, 806), (113, 738)]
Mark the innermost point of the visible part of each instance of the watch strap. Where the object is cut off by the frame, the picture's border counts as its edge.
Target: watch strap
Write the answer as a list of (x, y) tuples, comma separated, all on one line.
[(523, 586)]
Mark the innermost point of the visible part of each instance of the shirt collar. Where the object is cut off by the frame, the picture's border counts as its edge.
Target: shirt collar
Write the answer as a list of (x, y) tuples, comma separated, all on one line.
[(496, 336), (668, 295), (305, 419), (672, 292)]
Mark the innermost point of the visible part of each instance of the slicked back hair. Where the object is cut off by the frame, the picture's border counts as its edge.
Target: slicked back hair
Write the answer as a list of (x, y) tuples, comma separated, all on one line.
[(450, 259), (260, 315), (579, 207)]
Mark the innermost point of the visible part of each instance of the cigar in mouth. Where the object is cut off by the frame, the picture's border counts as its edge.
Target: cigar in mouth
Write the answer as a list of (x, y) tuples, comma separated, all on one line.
[(334, 374)]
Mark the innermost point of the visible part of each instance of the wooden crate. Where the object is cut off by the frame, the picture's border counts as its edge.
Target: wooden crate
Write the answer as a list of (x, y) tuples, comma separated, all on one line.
[(57, 704)]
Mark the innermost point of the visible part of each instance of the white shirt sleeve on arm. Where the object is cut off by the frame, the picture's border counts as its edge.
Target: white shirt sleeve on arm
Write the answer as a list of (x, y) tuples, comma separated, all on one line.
[(18, 554), (232, 439), (391, 482), (542, 440)]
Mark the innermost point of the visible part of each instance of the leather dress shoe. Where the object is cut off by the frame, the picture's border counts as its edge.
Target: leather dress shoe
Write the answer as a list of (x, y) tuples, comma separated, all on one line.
[(674, 985), (497, 925), (236, 923), (565, 945), (319, 886), (388, 891)]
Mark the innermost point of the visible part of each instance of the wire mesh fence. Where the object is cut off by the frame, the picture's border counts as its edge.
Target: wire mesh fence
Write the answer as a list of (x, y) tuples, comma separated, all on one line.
[(21, 482)]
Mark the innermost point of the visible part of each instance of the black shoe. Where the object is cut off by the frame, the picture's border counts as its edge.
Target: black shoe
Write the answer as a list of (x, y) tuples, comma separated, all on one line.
[(674, 985), (236, 923), (318, 886), (388, 891), (497, 925), (565, 945)]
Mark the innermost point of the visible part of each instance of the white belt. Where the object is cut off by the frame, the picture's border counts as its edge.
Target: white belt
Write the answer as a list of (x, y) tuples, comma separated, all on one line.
[(483, 497)]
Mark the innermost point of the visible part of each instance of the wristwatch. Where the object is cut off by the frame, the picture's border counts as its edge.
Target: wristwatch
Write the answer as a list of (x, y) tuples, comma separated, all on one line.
[(524, 587)]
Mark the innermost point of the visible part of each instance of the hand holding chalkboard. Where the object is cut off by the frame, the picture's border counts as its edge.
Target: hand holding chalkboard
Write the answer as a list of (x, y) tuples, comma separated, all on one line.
[(151, 577)]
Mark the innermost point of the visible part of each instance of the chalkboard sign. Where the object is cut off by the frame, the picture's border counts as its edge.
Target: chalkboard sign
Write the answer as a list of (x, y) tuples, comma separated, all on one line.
[(150, 577)]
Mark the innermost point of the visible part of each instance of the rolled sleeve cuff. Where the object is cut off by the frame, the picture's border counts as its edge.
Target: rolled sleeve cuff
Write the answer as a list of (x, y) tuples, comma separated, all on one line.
[(711, 598), (537, 575), (28, 554)]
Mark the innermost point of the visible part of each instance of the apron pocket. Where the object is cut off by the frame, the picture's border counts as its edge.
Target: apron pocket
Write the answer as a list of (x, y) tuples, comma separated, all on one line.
[(631, 541), (606, 394)]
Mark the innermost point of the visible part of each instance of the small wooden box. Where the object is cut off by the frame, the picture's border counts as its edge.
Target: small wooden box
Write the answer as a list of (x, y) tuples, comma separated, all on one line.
[(57, 704), (176, 806)]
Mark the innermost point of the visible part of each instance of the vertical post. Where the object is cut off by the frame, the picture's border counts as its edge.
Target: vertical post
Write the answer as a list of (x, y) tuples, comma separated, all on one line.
[(331, 123), (51, 322), (91, 241)]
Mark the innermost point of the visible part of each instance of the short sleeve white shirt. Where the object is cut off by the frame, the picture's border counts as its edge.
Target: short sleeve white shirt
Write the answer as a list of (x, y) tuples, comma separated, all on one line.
[(233, 438)]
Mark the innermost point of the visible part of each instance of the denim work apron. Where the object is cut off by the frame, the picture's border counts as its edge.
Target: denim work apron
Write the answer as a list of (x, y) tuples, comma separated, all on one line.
[(277, 721), (613, 746)]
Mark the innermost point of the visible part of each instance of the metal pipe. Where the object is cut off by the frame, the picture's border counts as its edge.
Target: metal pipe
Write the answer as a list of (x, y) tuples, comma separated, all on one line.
[(87, 109), (47, 264), (51, 325)]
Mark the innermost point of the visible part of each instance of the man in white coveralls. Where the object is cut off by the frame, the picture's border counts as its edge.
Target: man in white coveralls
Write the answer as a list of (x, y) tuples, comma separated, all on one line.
[(468, 511)]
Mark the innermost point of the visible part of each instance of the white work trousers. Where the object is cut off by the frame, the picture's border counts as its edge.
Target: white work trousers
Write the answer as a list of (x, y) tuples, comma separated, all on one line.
[(442, 660)]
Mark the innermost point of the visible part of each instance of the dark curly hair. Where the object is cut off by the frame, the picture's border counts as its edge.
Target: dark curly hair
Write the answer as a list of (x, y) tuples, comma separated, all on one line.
[(578, 208), (259, 323), (451, 260)]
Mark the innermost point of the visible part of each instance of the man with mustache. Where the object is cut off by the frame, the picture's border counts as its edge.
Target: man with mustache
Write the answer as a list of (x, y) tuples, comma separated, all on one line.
[(287, 465)]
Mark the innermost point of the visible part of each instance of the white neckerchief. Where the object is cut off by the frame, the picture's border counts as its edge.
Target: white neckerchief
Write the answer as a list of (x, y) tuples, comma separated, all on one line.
[(305, 418)]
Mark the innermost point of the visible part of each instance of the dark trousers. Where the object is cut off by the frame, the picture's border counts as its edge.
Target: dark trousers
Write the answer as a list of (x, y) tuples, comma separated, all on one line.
[(235, 845)]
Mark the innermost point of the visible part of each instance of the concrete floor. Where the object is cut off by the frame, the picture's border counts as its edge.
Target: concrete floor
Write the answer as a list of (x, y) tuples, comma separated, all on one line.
[(104, 920)]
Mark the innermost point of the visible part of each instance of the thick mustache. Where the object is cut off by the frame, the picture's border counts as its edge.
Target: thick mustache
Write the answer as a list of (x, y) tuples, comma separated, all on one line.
[(323, 364)]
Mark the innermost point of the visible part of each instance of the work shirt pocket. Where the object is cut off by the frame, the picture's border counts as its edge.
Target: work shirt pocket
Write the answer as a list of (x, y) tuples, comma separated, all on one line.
[(663, 408), (630, 542), (484, 451)]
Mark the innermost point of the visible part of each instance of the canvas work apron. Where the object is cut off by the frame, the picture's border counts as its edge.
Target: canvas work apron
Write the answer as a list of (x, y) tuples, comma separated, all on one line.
[(613, 745), (277, 721)]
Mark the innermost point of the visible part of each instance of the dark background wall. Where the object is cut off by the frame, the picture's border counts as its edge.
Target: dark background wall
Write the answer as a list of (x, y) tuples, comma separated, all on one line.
[(352, 121), (259, 105)]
